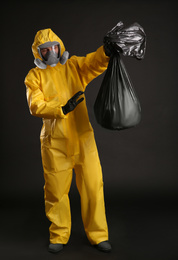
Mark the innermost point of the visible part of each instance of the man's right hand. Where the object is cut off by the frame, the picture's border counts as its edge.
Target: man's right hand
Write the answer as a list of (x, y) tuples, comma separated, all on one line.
[(72, 103)]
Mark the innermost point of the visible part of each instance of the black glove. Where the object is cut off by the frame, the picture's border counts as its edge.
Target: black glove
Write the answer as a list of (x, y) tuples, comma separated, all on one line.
[(110, 39), (109, 48), (72, 103)]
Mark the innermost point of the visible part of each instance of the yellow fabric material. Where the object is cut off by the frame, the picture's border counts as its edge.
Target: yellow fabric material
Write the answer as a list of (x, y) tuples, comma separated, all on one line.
[(67, 141), (43, 36)]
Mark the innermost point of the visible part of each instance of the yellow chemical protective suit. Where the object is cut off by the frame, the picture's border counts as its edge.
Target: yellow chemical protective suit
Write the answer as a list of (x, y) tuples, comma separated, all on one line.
[(67, 141)]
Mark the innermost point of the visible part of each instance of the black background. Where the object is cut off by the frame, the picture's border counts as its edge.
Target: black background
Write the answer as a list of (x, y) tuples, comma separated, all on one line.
[(139, 164)]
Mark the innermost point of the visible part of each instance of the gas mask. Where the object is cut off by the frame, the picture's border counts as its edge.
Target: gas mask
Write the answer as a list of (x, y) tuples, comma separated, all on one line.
[(50, 52), (51, 55)]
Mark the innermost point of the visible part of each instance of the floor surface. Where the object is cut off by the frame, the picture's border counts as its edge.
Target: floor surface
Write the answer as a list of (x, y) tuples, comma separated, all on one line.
[(140, 229)]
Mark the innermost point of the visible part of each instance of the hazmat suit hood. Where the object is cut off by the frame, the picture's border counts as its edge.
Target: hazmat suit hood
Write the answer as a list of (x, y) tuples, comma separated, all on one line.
[(47, 36)]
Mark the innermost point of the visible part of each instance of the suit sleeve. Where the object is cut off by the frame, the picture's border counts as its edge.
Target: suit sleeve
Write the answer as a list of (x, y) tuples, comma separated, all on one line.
[(37, 104), (91, 66)]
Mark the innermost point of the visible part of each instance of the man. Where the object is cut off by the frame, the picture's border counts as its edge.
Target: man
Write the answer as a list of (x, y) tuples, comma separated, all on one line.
[(55, 92)]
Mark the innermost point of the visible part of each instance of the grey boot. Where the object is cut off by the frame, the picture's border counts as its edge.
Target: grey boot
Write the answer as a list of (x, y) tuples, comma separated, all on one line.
[(104, 246), (55, 248)]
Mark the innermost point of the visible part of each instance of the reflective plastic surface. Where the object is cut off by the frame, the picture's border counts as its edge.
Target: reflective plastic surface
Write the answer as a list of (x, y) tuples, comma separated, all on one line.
[(130, 40)]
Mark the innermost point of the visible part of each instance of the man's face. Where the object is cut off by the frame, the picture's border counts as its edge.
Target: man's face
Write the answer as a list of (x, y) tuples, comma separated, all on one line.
[(44, 51)]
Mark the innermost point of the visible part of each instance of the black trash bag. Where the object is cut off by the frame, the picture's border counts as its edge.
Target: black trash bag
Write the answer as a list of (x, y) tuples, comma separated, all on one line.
[(117, 106), (130, 40)]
